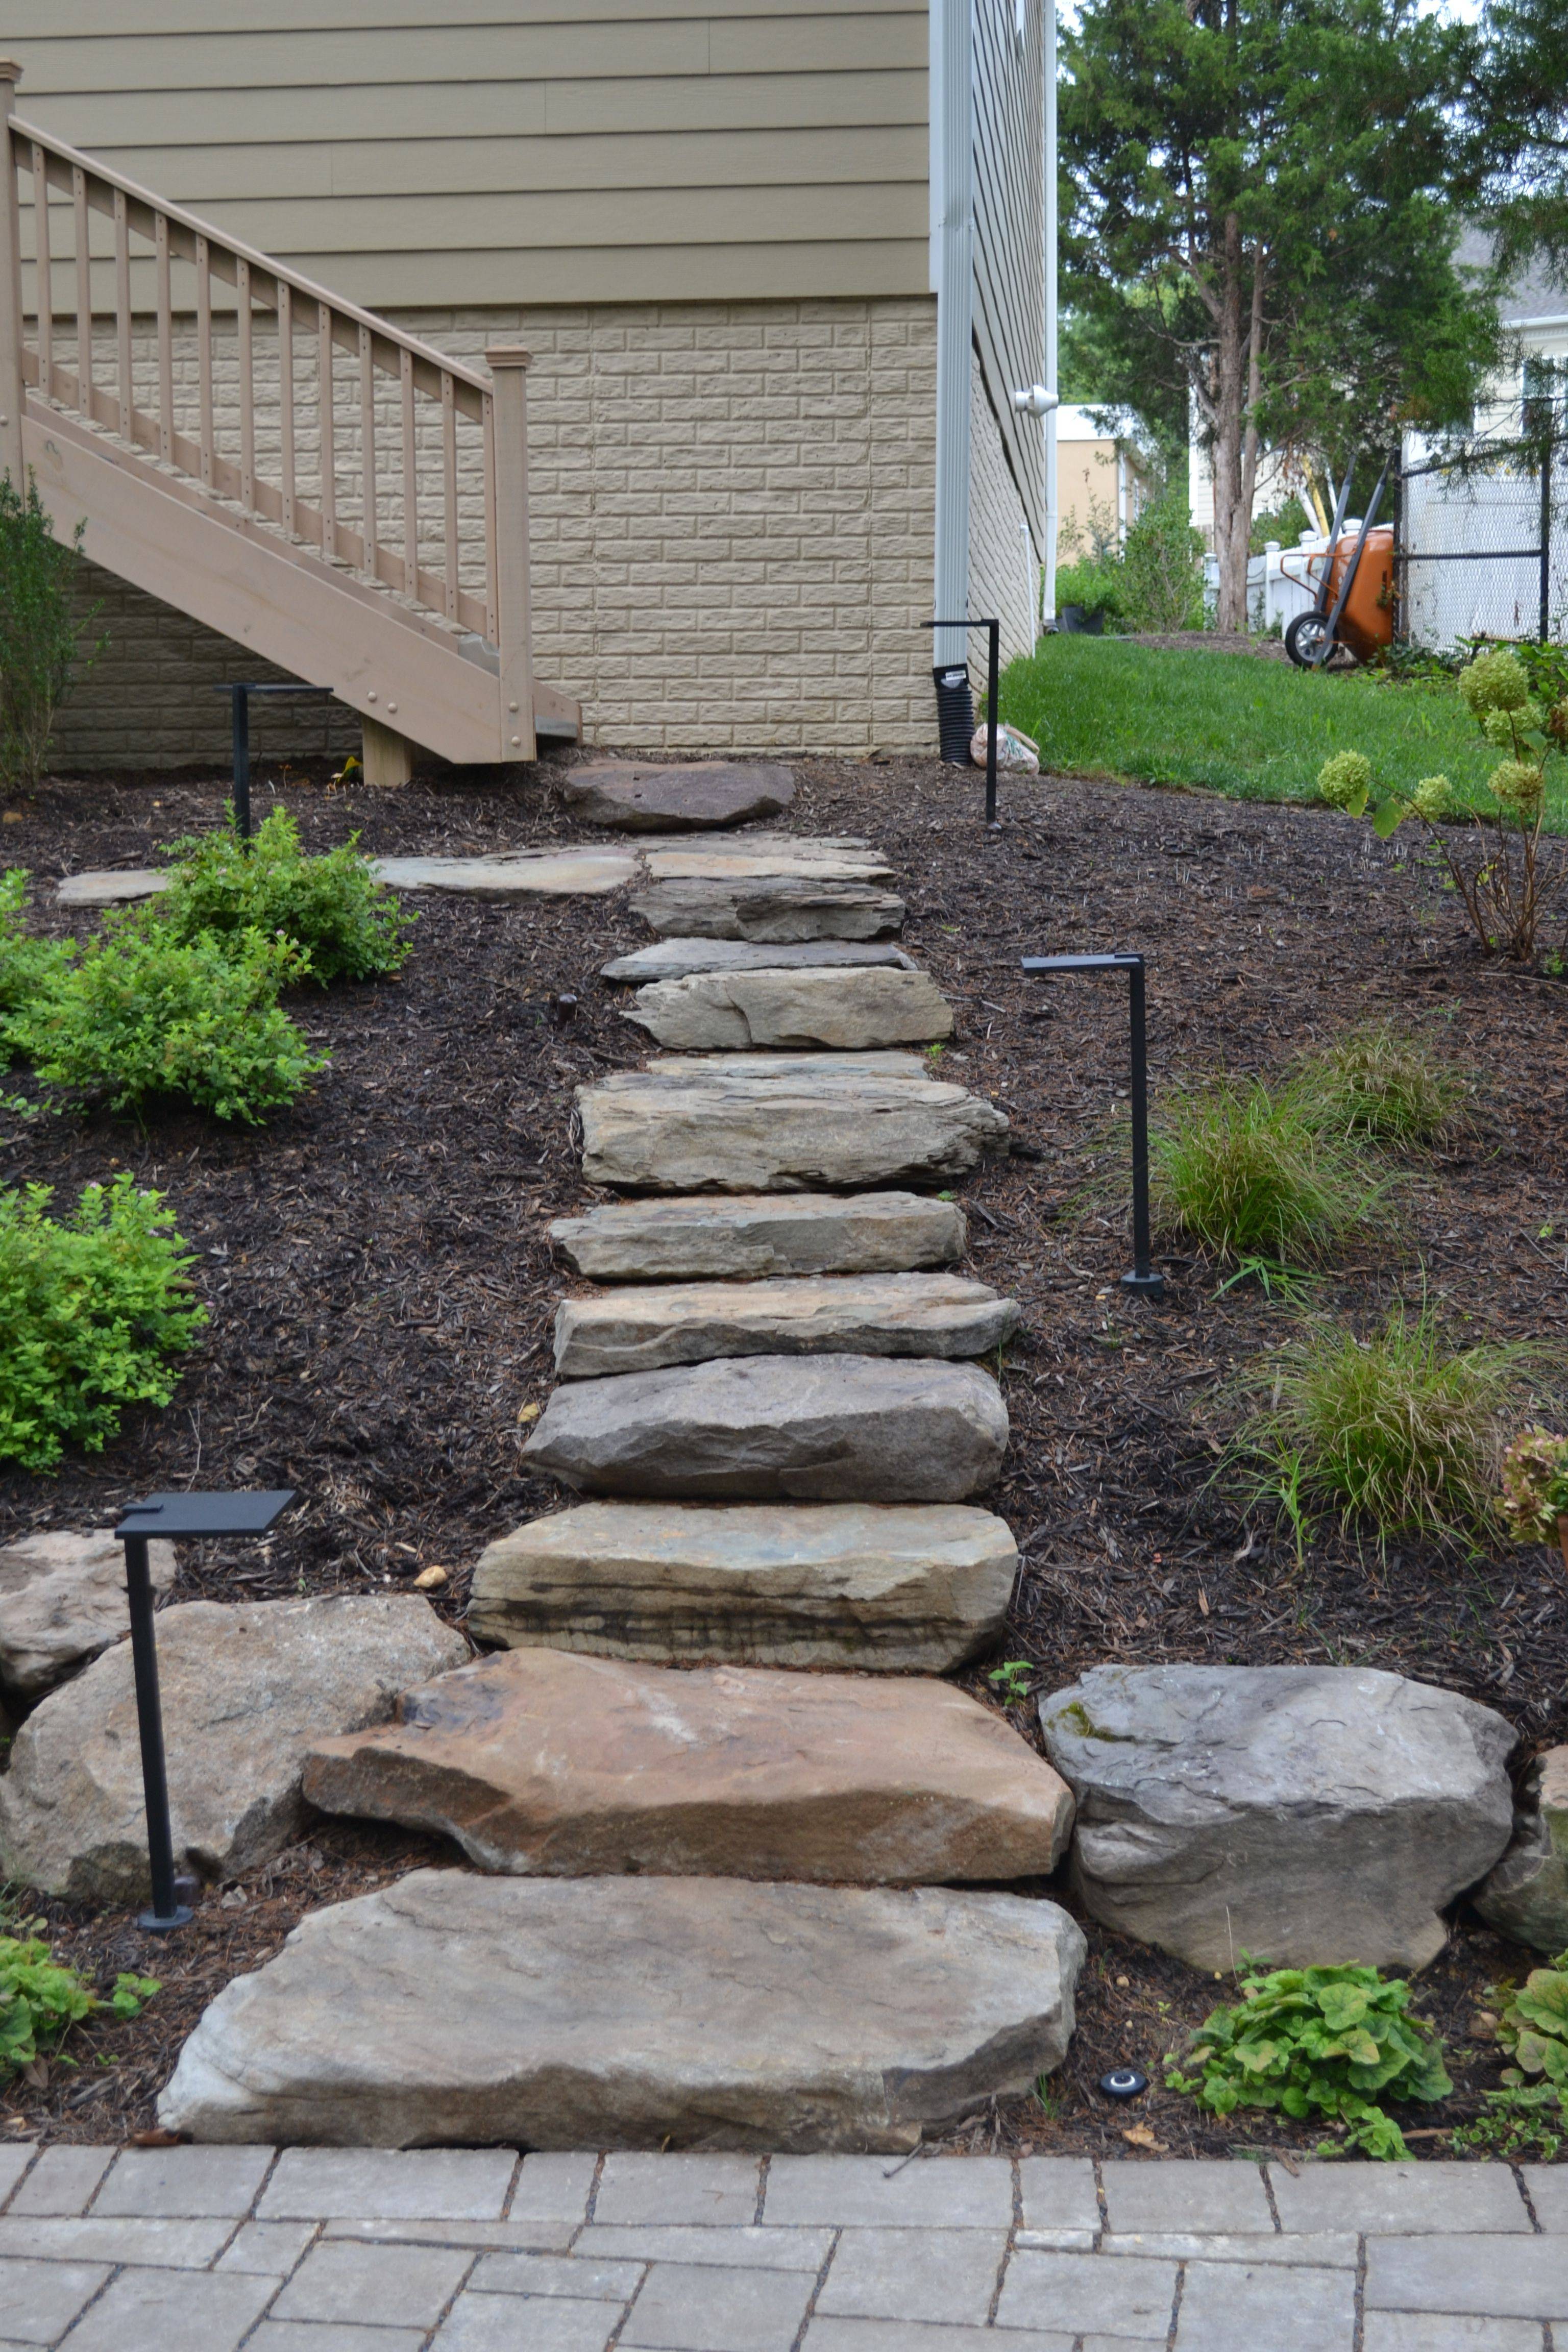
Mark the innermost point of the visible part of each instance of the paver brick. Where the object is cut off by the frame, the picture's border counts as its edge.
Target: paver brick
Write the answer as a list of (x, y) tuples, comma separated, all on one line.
[(1332, 2251), (1408, 2331), (375, 2285), (594, 2282), (267, 2249), (1059, 2193), (39, 2300), (1548, 2189), (1495, 2276), (932, 2275), (1202, 2194), (481, 2237), (1079, 2291), (1237, 2307), (14, 2163), (183, 2183), (1398, 2198), (298, 2335), (172, 2311), (450, 2184), (156, 2245), (934, 2192), (761, 2249), (62, 2181), (688, 2308), (500, 2323), (679, 2188), (829, 2335), (552, 2185)]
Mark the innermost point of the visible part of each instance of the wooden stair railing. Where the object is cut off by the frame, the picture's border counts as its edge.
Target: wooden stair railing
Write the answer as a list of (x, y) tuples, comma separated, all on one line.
[(376, 545)]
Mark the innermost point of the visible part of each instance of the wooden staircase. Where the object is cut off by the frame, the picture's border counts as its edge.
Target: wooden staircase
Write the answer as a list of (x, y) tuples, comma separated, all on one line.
[(365, 527)]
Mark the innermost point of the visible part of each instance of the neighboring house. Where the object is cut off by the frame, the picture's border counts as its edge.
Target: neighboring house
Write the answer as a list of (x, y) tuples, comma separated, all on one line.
[(779, 267), (1103, 475)]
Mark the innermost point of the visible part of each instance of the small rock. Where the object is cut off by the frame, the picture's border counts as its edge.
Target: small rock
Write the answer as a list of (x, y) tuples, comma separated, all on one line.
[(778, 909), (1308, 1815), (642, 1329), (62, 1601), (452, 2009), (761, 1235), (673, 958), (246, 1690), (637, 796), (901, 1588), (1527, 1894), (431, 1579), (850, 1010), (540, 1762), (820, 1429)]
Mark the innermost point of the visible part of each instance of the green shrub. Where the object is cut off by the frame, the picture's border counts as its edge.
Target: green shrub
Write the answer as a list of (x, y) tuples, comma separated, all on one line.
[(1390, 1087), (40, 634), (1395, 1428), (1317, 2042), (1095, 582), (140, 1013), (332, 907), (41, 2000), (91, 1311), (1162, 566), (1251, 1177), (1285, 522), (28, 965)]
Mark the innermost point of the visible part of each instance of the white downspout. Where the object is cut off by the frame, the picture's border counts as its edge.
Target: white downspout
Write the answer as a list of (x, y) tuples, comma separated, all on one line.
[(953, 279), (1049, 606)]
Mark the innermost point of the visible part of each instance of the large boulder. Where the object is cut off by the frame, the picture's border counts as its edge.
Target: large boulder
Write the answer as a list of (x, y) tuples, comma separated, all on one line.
[(813, 1121), (1306, 1814), (640, 796), (62, 1601), (1527, 1894), (814, 1429), (777, 908), (673, 958), (758, 1235), (847, 1011), (542, 1763), (641, 1329), (912, 1588), (633, 2012), (246, 1690)]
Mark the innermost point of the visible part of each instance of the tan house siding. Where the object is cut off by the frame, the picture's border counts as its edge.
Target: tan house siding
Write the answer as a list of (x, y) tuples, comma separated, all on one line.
[(535, 152), (1003, 575), (1009, 255)]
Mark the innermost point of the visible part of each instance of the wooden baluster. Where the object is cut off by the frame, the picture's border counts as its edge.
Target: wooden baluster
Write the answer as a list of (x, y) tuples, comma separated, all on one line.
[(46, 272), (286, 396), (329, 441), (449, 485), (165, 341), (122, 310), (367, 445), (410, 481), (83, 294), (246, 389), (492, 602), (205, 354), (509, 545), (13, 392)]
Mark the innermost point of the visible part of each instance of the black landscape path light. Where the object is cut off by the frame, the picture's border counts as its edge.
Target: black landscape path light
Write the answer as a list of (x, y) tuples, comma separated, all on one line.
[(1143, 1279), (239, 695), (993, 668), (172, 1517)]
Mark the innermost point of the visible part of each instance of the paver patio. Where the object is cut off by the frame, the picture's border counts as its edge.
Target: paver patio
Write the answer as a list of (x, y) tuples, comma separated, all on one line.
[(315, 2250)]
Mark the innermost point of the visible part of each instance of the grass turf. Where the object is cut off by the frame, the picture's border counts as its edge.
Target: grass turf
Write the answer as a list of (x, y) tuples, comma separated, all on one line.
[(1233, 723)]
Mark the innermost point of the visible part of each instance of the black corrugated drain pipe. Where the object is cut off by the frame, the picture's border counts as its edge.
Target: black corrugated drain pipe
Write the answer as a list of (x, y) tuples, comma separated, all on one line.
[(955, 712)]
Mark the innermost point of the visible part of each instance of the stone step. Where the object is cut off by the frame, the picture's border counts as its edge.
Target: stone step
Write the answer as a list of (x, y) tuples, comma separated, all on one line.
[(641, 795), (767, 856), (633, 2012), (900, 1587), (541, 1763), (573, 870), (812, 1429), (854, 1010), (778, 907), (673, 958), (755, 1235), (642, 1329), (764, 1124)]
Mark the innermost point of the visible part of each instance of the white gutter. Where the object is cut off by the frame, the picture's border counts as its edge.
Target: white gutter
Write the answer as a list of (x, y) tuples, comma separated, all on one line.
[(1050, 605), (952, 279)]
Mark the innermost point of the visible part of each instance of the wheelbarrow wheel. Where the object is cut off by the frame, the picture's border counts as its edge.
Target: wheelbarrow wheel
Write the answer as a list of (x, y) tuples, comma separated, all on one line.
[(1310, 646)]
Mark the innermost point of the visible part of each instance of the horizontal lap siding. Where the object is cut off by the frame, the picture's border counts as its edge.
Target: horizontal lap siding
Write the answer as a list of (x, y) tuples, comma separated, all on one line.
[(1009, 226), (538, 150)]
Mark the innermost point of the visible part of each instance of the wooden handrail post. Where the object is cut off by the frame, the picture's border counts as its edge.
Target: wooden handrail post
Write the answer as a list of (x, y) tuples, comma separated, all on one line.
[(509, 366), (11, 391)]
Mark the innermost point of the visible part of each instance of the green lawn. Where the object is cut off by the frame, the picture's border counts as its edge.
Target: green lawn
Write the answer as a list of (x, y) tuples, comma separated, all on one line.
[(1233, 723)]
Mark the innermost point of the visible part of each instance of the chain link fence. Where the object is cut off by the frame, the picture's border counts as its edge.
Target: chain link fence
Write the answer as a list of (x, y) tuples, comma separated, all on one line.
[(1483, 535)]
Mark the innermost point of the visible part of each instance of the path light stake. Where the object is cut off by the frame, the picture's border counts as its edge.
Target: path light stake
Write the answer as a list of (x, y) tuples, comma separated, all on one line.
[(173, 1516), (239, 695), (1143, 1279), (992, 675)]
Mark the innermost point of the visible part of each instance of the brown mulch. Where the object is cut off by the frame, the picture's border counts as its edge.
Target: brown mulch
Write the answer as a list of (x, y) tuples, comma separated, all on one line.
[(381, 1288), (1210, 641)]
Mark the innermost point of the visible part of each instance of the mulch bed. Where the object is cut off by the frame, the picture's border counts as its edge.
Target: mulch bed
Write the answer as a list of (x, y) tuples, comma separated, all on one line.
[(381, 1286)]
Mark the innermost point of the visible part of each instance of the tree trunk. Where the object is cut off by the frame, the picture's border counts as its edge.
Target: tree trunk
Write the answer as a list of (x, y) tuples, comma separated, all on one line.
[(1232, 497)]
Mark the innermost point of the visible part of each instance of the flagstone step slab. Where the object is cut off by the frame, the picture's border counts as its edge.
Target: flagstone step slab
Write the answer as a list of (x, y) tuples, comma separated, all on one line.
[(806, 1123), (640, 1330), (774, 907), (641, 795), (768, 857), (811, 1429), (538, 1762), (647, 2013), (896, 1587), (673, 958), (759, 1235), (851, 1011), (581, 869)]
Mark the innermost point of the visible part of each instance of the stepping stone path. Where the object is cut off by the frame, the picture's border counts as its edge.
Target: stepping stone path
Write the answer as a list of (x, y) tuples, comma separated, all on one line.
[(635, 796), (537, 1762), (770, 1394)]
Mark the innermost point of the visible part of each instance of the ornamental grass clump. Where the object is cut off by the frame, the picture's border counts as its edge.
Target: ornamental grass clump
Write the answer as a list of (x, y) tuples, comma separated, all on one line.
[(1254, 1177), (1383, 1085), (94, 1309), (1317, 2042), (346, 924)]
